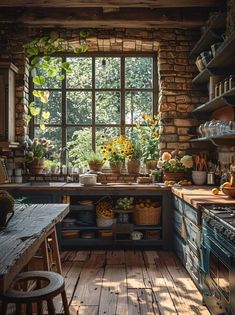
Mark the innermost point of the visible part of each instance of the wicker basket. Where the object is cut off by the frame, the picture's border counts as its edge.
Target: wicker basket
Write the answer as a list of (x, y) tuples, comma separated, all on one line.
[(147, 216), (174, 176), (101, 222)]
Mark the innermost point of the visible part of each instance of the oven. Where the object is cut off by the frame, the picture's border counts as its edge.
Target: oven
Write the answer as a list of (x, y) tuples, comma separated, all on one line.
[(218, 271)]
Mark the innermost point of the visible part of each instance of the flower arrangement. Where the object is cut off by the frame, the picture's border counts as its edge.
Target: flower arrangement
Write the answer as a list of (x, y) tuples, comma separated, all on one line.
[(116, 150), (175, 162), (37, 149), (148, 136)]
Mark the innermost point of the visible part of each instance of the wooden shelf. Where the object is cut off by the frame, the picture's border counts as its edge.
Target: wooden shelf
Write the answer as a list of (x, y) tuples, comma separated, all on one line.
[(226, 139), (210, 36), (224, 59), (225, 99), (95, 228)]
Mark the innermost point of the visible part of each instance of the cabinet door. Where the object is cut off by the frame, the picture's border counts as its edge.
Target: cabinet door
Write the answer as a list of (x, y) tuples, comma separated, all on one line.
[(7, 101)]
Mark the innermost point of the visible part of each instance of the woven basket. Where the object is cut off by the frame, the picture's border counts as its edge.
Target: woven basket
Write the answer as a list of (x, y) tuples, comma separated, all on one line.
[(101, 222), (133, 167), (147, 216), (174, 176)]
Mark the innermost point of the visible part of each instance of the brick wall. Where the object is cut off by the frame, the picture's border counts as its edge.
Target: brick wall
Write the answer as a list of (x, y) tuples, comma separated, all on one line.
[(177, 97)]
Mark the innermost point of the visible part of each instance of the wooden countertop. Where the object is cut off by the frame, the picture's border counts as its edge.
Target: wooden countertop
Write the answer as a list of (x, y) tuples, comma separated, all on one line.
[(22, 237), (195, 195), (76, 186)]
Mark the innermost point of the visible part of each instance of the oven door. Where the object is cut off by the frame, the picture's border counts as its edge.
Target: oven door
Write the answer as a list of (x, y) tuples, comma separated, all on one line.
[(218, 275)]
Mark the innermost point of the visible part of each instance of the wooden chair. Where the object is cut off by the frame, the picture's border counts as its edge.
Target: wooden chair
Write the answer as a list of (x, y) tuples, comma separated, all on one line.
[(41, 286)]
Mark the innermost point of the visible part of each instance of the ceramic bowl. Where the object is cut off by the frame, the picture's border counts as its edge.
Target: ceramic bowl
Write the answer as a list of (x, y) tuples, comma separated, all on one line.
[(199, 177)]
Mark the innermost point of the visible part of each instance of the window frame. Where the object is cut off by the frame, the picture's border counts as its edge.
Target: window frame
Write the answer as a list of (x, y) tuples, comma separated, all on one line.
[(64, 125)]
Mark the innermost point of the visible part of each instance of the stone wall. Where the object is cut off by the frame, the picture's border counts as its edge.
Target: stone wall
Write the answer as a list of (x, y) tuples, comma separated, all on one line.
[(177, 97)]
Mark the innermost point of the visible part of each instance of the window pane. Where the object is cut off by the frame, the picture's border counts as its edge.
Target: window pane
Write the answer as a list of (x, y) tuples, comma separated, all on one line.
[(54, 106), (79, 107), (79, 144), (81, 74), (107, 73), (139, 72), (108, 107), (137, 103), (54, 135), (51, 80)]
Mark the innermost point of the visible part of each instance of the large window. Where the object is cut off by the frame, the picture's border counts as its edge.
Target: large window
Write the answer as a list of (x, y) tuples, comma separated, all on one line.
[(103, 94)]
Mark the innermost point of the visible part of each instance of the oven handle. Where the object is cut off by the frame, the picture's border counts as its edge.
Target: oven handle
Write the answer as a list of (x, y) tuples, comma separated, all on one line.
[(226, 253)]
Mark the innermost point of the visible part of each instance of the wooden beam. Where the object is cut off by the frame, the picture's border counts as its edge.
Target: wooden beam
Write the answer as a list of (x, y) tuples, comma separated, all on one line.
[(113, 3), (96, 18)]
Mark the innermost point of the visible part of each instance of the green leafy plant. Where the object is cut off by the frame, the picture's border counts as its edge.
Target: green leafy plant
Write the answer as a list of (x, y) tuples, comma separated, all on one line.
[(148, 136), (43, 65), (94, 157), (37, 149)]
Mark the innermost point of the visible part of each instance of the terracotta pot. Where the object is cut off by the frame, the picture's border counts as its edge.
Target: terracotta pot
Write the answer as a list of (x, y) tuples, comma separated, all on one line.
[(174, 176), (151, 165), (35, 167), (96, 166), (133, 167), (115, 167)]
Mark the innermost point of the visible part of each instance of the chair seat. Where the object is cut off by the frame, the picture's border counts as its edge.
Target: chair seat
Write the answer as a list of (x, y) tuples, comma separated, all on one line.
[(54, 286)]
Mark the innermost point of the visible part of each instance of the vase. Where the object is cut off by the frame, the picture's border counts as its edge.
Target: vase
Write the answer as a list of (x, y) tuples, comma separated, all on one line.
[(174, 176), (115, 167), (151, 165), (36, 166), (95, 166), (133, 167)]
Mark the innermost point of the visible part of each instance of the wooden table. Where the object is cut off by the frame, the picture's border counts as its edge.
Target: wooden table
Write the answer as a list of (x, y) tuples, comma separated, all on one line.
[(23, 236)]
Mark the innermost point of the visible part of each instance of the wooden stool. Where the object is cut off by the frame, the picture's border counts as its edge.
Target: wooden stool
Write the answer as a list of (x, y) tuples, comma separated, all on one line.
[(54, 285)]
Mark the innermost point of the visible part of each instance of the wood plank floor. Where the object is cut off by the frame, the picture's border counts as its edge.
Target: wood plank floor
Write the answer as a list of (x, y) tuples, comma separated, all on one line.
[(128, 282)]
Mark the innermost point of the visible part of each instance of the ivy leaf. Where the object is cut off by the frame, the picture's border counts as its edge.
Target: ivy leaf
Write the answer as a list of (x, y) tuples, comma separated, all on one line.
[(35, 60), (52, 72), (42, 126), (34, 111), (36, 93), (29, 117), (39, 80), (83, 34), (66, 66), (60, 77), (46, 115), (44, 95)]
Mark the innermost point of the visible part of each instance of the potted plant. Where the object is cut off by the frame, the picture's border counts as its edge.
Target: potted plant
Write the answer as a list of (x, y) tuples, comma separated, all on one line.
[(148, 137), (133, 164), (116, 150), (175, 165), (95, 161), (35, 152)]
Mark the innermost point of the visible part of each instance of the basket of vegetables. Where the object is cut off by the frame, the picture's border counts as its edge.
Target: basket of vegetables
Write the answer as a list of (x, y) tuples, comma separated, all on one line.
[(147, 212)]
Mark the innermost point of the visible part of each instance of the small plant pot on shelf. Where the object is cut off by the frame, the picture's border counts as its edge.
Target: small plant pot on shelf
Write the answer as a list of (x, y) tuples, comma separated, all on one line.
[(199, 177), (95, 166), (133, 167), (35, 167)]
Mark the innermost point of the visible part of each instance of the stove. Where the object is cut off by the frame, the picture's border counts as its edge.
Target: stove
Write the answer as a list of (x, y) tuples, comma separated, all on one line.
[(218, 257), (221, 217)]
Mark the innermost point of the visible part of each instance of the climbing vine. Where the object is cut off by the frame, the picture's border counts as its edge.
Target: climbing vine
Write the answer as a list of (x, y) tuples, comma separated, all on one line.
[(41, 52)]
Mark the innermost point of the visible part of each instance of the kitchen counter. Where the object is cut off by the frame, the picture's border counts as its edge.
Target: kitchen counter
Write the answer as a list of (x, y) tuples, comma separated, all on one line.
[(76, 186), (195, 195)]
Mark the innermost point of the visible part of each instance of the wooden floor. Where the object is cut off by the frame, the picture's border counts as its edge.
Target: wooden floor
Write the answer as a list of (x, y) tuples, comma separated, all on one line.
[(128, 282)]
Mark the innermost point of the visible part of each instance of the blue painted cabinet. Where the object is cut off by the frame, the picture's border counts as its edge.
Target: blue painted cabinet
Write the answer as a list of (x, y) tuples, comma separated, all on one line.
[(187, 237)]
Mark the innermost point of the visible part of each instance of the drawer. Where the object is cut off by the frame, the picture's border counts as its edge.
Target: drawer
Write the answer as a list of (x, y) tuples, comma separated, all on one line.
[(192, 214), (179, 246), (193, 235), (177, 222), (192, 265), (178, 204)]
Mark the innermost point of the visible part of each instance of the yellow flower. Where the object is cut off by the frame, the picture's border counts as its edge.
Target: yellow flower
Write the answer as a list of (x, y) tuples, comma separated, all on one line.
[(155, 134)]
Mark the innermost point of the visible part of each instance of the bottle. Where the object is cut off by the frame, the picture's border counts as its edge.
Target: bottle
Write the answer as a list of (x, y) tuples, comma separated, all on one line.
[(210, 178)]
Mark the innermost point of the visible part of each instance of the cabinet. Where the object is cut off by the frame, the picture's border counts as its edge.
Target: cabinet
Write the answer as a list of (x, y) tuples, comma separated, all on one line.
[(222, 65), (80, 228), (7, 104), (187, 237)]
